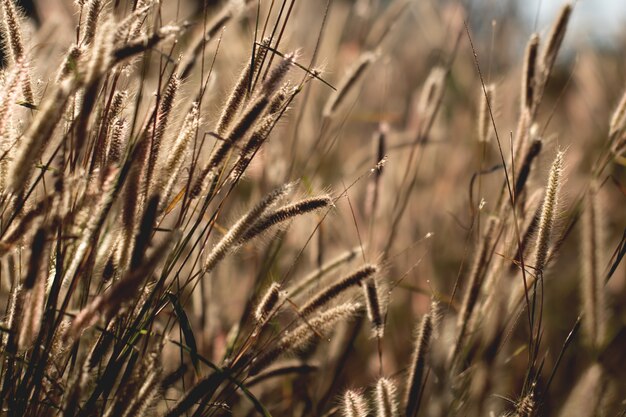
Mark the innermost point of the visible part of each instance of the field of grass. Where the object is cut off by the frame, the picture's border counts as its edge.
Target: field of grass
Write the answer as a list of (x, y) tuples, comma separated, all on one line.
[(310, 208)]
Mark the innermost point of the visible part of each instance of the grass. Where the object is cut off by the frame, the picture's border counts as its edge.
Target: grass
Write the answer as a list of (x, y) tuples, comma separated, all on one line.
[(308, 208)]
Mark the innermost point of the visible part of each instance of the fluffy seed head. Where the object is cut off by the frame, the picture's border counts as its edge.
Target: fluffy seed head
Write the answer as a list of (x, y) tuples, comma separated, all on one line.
[(12, 34), (267, 303), (555, 38), (237, 232), (530, 69), (354, 404), (239, 93), (275, 78), (91, 24), (548, 213), (386, 399), (285, 213), (299, 338), (374, 307), (116, 145)]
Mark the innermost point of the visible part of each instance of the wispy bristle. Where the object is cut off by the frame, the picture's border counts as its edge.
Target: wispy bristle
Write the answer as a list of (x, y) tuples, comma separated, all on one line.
[(91, 23), (145, 395), (12, 34), (321, 324), (526, 406), (117, 103), (279, 99), (9, 98), (386, 399), (245, 123), (238, 94), (100, 210), (354, 404), (258, 136), (261, 131), (103, 141)]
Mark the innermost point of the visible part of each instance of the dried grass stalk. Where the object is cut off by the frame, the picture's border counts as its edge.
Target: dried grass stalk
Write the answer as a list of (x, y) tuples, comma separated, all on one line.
[(38, 134), (487, 106), (592, 283), (325, 269)]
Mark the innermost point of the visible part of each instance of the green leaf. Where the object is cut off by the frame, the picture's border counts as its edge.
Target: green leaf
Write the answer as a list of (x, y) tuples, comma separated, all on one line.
[(185, 326), (27, 105), (225, 374)]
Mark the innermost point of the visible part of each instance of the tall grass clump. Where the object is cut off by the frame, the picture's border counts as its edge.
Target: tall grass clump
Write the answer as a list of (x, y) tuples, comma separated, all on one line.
[(299, 208)]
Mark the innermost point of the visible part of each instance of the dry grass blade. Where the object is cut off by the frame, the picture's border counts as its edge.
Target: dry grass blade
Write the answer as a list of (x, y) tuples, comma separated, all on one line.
[(415, 378)]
